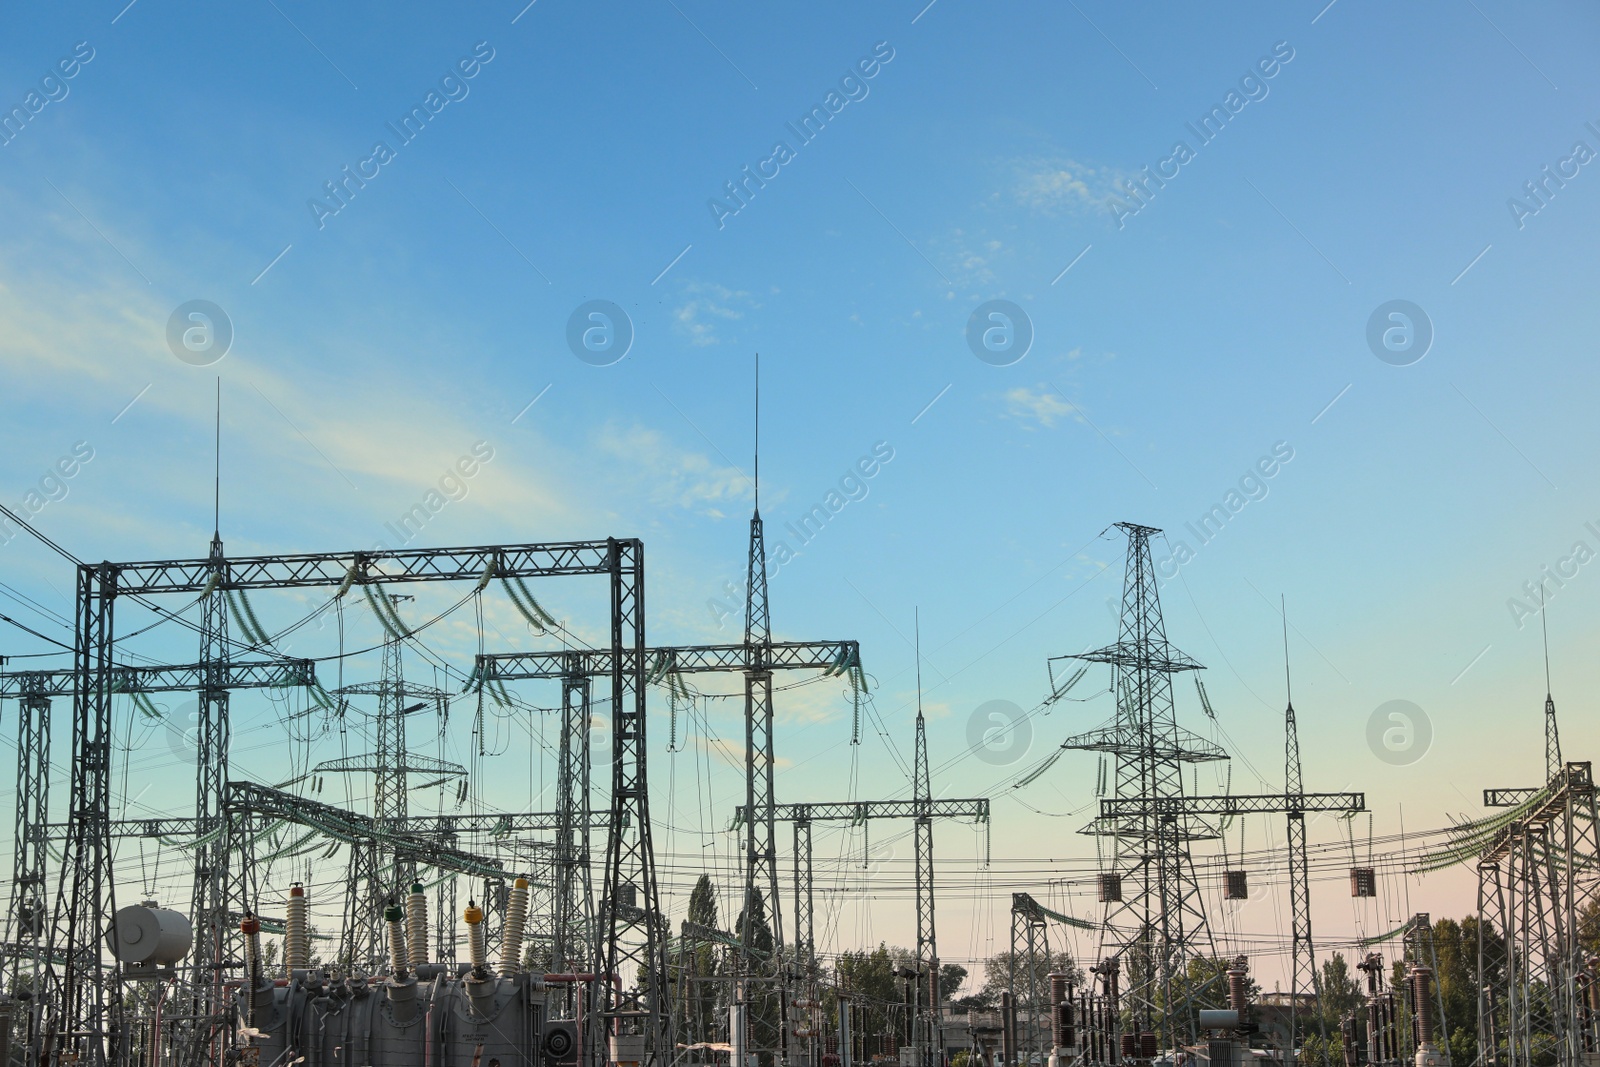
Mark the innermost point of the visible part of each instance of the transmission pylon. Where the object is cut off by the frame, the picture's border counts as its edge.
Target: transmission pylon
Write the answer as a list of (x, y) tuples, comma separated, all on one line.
[(375, 878), (1303, 959), (1152, 887), (761, 839)]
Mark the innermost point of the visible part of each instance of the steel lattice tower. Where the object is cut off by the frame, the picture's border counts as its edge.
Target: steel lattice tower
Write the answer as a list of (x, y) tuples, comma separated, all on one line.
[(28, 903), (1151, 847), (574, 898), (760, 845), (373, 877), (1303, 959), (389, 781), (927, 942), (209, 909)]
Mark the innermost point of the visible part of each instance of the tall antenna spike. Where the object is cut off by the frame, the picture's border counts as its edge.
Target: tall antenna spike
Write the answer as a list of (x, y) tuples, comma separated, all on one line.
[(216, 500), (916, 623), (1552, 732), (758, 433), (1544, 628), (1288, 687)]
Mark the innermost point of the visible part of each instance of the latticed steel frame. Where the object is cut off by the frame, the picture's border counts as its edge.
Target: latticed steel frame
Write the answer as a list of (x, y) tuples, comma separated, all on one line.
[(927, 997), (1531, 881), (1302, 953), (209, 900), (1492, 915), (377, 877), (574, 896), (85, 1001), (1028, 935), (34, 688), (856, 813), (760, 839), (630, 855), (28, 864), (88, 995), (805, 944), (1151, 851), (757, 657)]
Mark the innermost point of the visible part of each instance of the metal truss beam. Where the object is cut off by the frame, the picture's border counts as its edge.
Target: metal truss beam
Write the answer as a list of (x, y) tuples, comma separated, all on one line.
[(1266, 803), (241, 674), (301, 570), (835, 657), (859, 811)]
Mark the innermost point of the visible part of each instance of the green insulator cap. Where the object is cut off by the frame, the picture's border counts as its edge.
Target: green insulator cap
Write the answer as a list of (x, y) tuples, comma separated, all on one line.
[(416, 887), (393, 913)]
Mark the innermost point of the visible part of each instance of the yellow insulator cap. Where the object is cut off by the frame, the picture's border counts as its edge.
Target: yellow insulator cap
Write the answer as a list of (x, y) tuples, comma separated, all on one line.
[(521, 883), (473, 914)]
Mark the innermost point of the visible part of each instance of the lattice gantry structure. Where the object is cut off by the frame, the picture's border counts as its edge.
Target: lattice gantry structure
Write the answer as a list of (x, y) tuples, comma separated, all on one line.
[(76, 976), (1535, 880), (34, 832), (574, 668)]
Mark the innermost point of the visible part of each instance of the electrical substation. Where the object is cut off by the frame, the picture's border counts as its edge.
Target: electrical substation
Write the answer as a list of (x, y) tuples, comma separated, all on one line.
[(310, 931)]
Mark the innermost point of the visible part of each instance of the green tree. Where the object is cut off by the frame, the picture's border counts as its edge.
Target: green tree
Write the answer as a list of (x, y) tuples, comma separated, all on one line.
[(763, 1022), (1339, 992), (998, 977), (701, 1000), (868, 979), (951, 975)]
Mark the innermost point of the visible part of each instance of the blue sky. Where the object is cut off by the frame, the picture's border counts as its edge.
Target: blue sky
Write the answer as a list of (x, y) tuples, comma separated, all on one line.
[(1226, 317)]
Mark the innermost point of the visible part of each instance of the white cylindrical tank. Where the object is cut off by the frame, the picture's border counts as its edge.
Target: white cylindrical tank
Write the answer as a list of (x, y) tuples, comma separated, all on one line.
[(150, 936)]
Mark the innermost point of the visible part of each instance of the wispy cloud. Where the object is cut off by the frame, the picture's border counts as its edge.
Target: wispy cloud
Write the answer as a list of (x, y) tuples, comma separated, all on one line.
[(1039, 406), (1058, 185), (674, 476), (710, 309)]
